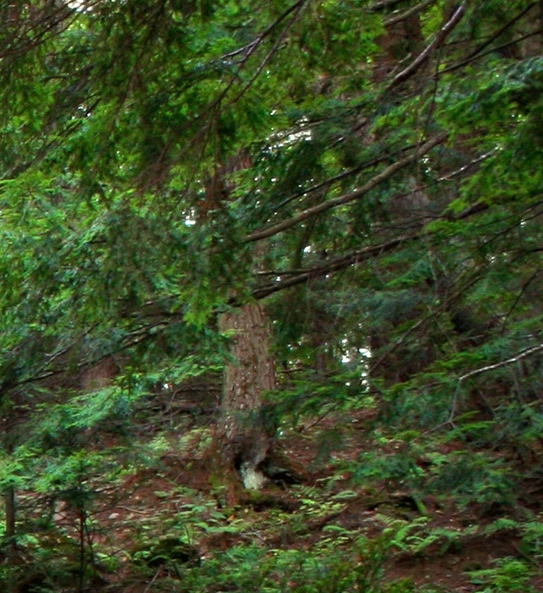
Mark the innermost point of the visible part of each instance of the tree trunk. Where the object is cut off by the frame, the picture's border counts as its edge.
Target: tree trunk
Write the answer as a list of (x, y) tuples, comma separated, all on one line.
[(242, 438)]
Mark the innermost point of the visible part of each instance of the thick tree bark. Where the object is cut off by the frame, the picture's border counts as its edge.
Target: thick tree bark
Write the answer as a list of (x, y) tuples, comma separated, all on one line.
[(242, 438)]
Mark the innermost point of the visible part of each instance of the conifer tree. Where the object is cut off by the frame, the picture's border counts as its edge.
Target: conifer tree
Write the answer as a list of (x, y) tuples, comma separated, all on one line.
[(388, 183)]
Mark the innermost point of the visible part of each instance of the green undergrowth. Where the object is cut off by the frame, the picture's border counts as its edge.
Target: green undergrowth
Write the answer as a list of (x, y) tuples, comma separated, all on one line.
[(254, 568), (345, 561), (374, 498)]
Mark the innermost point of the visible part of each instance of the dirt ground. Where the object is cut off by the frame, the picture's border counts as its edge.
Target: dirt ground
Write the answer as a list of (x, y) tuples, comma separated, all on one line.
[(181, 485)]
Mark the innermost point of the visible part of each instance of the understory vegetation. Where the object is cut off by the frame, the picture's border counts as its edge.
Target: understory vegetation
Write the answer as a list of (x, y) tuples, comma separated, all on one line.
[(124, 500)]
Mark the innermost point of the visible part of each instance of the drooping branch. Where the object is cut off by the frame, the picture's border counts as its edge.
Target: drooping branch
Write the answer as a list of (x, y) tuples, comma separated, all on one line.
[(491, 50), (334, 265), (31, 31), (330, 181), (287, 279), (271, 53), (349, 197)]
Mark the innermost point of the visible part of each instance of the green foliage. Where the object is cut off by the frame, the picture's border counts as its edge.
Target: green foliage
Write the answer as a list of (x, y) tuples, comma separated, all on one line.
[(508, 575), (394, 468), (532, 538), (162, 161), (474, 478), (254, 569)]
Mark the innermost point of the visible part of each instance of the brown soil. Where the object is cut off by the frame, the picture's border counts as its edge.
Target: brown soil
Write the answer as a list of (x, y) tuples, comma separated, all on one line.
[(145, 505)]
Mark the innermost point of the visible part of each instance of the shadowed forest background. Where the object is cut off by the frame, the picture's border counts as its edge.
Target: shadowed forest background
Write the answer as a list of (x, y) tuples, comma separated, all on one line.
[(270, 306)]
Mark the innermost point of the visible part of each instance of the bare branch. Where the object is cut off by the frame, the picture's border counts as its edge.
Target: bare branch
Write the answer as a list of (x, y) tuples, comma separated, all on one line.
[(489, 367), (438, 40), (465, 168), (398, 18), (492, 367)]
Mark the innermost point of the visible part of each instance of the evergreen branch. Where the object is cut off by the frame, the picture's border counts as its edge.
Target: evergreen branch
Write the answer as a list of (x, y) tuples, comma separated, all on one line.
[(479, 53), (327, 183), (349, 197), (489, 367), (487, 52), (500, 32), (250, 47), (438, 40), (51, 24), (296, 8), (521, 293), (300, 276), (335, 265), (211, 113), (443, 306)]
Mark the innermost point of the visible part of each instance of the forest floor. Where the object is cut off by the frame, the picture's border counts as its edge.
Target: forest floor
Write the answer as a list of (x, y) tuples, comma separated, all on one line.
[(423, 544)]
